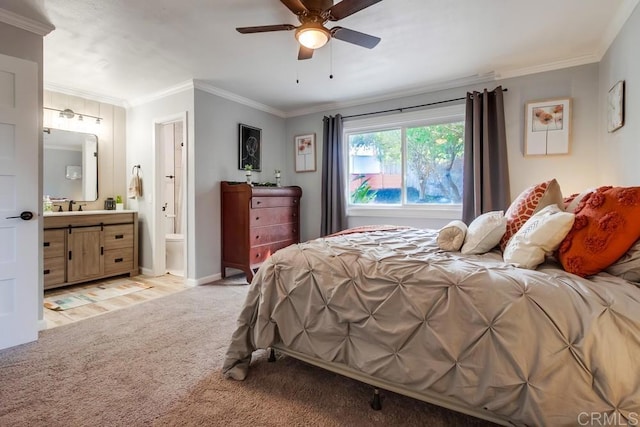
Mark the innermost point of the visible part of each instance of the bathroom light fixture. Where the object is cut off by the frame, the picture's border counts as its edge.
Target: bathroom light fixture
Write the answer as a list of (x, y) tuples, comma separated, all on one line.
[(68, 113), (312, 35)]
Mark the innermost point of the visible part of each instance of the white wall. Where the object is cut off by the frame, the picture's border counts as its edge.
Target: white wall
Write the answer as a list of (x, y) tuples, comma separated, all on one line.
[(216, 159), (574, 172), (618, 152)]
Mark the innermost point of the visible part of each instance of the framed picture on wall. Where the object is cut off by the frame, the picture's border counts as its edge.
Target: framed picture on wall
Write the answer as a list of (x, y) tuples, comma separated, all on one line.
[(547, 127), (249, 147), (615, 107), (305, 152)]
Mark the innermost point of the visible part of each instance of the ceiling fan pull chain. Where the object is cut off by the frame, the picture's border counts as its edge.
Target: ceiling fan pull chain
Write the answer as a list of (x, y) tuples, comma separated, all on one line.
[(331, 61)]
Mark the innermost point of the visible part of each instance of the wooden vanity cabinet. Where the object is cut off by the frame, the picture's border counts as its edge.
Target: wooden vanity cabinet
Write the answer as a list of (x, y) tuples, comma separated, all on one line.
[(256, 222), (79, 248)]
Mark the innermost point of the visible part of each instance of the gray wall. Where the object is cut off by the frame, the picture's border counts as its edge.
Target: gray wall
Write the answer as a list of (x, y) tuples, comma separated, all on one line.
[(140, 149), (573, 172), (618, 152), (216, 159)]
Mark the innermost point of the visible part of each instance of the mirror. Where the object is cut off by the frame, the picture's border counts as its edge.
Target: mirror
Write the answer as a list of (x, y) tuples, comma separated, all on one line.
[(70, 165)]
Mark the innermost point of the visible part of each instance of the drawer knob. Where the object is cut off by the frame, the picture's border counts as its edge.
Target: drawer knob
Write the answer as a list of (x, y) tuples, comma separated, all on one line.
[(118, 260), (46, 244), (258, 202), (257, 218), (257, 255), (47, 271), (295, 201), (119, 236), (257, 237)]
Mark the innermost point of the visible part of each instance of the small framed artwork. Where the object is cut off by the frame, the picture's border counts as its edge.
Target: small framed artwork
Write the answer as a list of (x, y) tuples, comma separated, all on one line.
[(547, 127), (249, 146), (615, 107), (305, 152)]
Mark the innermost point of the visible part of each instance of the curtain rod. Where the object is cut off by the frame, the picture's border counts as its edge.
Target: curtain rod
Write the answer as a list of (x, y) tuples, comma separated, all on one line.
[(400, 110)]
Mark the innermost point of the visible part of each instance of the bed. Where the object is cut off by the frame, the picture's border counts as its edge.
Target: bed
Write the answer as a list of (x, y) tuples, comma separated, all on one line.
[(468, 332)]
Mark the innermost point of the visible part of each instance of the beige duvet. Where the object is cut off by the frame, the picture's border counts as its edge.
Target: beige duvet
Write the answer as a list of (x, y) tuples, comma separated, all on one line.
[(537, 347)]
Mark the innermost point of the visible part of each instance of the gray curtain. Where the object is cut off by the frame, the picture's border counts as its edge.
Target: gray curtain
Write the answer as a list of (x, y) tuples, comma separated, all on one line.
[(333, 204), (486, 172)]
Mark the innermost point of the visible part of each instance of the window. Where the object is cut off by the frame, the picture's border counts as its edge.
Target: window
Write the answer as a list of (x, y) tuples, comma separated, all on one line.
[(411, 160)]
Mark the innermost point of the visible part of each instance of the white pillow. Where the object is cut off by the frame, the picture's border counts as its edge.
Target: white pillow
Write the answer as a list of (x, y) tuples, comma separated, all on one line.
[(539, 236), (484, 233), (451, 236)]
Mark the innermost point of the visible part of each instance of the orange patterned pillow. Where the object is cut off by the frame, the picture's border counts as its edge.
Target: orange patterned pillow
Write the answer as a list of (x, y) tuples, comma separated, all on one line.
[(606, 226), (530, 201)]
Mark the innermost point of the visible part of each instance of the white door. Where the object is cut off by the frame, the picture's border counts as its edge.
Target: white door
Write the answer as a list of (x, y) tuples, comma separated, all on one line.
[(20, 268)]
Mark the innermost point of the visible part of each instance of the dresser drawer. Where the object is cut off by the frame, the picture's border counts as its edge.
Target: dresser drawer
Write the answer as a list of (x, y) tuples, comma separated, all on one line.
[(272, 216), (270, 202), (53, 242), (53, 271), (260, 253), (273, 233), (118, 260), (118, 236)]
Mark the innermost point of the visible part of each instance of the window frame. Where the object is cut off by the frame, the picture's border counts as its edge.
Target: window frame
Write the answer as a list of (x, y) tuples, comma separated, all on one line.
[(432, 116)]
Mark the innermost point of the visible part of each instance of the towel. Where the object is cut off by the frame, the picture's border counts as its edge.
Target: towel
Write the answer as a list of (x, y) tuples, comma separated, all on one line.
[(135, 187)]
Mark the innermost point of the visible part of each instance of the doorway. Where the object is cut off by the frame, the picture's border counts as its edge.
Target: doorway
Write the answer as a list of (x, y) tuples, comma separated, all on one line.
[(170, 195)]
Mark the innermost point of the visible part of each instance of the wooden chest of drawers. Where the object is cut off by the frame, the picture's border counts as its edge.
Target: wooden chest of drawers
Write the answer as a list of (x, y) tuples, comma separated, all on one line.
[(256, 222)]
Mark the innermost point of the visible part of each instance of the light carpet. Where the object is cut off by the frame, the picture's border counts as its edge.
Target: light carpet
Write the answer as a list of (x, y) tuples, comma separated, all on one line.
[(94, 294), (158, 363)]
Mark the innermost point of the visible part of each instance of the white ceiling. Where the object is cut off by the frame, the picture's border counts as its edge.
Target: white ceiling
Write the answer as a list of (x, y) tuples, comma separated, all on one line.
[(130, 49)]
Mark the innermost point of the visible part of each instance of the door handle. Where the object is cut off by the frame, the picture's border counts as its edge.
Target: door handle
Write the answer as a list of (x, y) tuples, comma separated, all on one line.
[(25, 216)]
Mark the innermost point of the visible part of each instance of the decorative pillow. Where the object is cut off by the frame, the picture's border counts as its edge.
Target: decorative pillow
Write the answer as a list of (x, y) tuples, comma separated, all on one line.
[(606, 226), (451, 236), (572, 202), (539, 236), (528, 203), (628, 267), (484, 233)]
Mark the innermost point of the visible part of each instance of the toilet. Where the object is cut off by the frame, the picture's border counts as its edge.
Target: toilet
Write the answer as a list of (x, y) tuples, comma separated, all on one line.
[(175, 254)]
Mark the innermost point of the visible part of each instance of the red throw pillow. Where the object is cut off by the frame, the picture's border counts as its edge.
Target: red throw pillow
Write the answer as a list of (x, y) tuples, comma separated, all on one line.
[(530, 201), (606, 226)]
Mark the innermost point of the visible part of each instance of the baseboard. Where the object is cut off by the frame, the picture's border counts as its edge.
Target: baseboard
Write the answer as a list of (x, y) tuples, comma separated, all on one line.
[(204, 280), (146, 271)]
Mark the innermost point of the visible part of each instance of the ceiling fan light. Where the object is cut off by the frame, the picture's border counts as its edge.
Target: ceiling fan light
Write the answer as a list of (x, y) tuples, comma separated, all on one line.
[(312, 37)]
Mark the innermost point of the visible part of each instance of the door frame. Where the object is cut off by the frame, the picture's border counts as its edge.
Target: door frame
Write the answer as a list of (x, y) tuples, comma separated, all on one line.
[(159, 244)]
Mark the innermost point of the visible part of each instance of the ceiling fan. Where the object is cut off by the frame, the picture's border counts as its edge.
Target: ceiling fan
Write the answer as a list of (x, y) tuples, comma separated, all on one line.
[(313, 14)]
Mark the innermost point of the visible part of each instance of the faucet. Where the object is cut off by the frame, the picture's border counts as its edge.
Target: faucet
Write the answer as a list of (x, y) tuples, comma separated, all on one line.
[(71, 202)]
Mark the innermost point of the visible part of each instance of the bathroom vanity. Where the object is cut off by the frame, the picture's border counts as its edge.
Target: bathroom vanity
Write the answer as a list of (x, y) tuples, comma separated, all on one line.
[(89, 245)]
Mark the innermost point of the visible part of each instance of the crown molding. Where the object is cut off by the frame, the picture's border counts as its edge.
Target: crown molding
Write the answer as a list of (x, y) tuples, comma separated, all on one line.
[(434, 87), (550, 66), (31, 25), (613, 29), (209, 88), (53, 87), (172, 90)]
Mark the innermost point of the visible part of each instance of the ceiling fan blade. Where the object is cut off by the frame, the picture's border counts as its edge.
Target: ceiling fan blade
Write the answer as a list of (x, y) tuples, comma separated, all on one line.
[(294, 6), (266, 28), (355, 37), (305, 53), (349, 7)]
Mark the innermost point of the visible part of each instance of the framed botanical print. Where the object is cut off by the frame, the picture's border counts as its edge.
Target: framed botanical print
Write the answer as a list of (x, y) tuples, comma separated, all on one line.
[(305, 152), (547, 127)]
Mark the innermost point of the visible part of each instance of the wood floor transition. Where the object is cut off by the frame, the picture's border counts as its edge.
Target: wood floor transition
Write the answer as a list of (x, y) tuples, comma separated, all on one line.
[(161, 286)]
